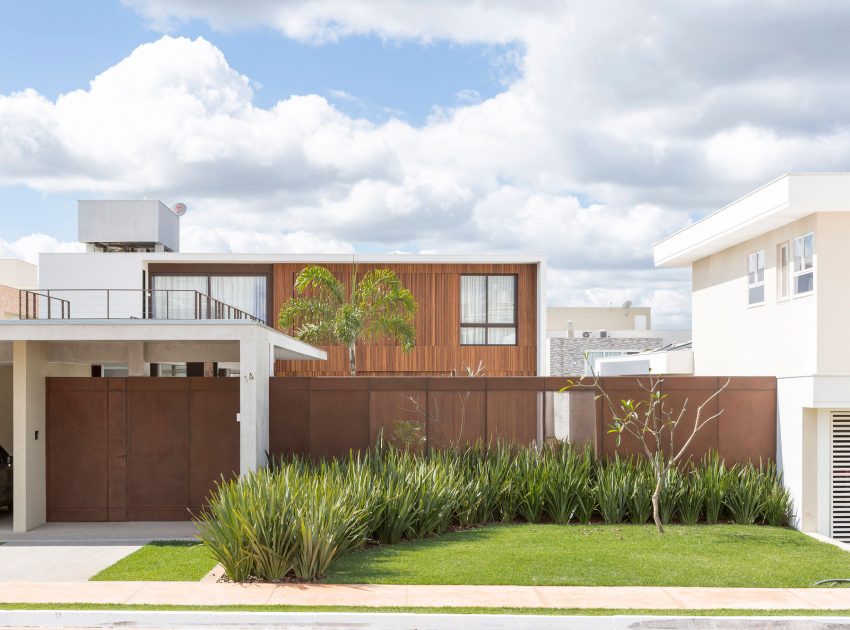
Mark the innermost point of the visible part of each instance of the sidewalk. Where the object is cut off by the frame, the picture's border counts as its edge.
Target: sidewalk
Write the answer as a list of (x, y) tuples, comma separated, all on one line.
[(206, 594)]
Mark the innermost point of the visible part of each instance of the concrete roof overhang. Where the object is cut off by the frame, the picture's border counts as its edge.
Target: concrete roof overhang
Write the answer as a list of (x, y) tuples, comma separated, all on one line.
[(780, 202), (147, 330)]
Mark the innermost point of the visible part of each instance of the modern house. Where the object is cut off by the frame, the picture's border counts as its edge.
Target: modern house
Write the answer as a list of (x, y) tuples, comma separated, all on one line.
[(133, 306), (770, 297), (580, 339)]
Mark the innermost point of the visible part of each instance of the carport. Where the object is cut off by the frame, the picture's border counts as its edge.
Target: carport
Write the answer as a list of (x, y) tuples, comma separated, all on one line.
[(69, 413)]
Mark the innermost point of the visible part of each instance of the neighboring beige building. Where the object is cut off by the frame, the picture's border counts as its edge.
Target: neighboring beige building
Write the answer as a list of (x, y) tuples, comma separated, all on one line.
[(770, 298), (581, 336), (596, 318)]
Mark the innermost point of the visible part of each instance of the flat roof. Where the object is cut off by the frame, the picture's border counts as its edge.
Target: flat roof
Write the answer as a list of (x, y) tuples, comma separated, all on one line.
[(285, 347), (779, 202), (185, 257)]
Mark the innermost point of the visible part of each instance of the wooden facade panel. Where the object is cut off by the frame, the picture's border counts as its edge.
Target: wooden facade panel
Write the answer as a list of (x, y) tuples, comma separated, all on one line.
[(438, 352)]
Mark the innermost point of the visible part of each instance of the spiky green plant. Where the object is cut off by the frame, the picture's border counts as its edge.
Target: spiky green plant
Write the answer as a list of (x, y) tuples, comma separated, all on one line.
[(691, 499), (612, 489), (640, 493), (744, 494), (712, 472)]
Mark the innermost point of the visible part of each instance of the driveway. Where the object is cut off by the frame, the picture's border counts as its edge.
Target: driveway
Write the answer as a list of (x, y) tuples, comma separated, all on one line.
[(74, 552)]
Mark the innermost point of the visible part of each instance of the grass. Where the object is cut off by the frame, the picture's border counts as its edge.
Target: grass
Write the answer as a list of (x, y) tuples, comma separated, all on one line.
[(585, 612), (601, 555), (161, 561), (578, 555)]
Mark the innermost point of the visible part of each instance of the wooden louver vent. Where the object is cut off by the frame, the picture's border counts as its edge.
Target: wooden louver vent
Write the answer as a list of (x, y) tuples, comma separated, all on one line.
[(840, 490)]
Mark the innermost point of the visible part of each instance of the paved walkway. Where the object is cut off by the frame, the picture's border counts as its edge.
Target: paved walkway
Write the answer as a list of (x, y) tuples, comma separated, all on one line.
[(74, 552), (205, 594)]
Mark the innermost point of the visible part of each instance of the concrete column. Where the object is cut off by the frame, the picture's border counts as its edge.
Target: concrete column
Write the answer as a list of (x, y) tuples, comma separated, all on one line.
[(136, 365), (254, 354), (30, 367)]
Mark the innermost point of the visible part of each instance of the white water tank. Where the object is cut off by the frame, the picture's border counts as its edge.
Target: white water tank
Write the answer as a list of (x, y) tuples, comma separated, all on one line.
[(127, 225)]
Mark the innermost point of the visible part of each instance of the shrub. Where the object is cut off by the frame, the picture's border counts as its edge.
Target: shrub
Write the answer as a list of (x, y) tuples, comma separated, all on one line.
[(691, 499), (744, 494), (613, 485), (297, 517), (640, 494), (712, 471)]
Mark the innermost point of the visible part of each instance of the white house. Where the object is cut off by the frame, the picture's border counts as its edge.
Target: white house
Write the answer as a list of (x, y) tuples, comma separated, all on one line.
[(770, 298)]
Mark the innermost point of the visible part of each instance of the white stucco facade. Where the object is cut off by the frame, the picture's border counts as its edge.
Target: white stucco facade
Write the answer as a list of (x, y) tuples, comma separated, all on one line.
[(799, 336)]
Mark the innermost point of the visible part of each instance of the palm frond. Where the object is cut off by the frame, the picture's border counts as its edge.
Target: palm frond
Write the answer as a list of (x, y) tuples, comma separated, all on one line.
[(395, 326), (322, 280), (305, 310)]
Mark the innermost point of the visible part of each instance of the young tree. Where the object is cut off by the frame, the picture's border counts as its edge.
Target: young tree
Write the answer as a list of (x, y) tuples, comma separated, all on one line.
[(376, 306), (653, 423)]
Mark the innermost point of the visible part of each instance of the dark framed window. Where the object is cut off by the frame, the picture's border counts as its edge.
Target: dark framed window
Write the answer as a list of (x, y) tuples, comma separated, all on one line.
[(488, 310)]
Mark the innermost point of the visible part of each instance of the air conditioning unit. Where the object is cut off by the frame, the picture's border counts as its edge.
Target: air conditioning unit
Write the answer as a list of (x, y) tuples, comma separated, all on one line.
[(603, 334), (586, 334)]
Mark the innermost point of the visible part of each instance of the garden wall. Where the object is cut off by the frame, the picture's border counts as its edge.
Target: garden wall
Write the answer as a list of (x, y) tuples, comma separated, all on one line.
[(321, 416)]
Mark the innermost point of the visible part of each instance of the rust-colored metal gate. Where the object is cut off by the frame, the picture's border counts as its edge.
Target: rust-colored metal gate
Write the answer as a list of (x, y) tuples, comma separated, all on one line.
[(137, 448)]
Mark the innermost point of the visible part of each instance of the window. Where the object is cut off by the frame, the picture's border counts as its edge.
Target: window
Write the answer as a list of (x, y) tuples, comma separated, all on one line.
[(174, 295), (488, 310), (804, 264), (783, 269), (755, 278)]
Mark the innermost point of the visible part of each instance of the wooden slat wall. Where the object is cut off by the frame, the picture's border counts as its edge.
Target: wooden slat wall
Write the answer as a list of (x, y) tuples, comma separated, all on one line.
[(438, 351)]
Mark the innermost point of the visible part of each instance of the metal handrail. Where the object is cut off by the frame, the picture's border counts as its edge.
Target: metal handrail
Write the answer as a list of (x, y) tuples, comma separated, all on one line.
[(28, 306), (153, 304)]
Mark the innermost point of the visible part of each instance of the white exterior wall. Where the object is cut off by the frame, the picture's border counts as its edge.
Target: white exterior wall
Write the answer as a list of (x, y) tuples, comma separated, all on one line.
[(776, 338), (597, 317)]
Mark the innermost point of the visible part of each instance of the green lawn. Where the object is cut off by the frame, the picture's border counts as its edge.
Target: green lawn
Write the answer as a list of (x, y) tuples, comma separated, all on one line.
[(585, 555), (167, 561), (601, 555), (584, 612)]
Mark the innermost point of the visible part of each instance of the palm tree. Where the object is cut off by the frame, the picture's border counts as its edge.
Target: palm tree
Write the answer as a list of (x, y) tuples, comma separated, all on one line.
[(377, 306)]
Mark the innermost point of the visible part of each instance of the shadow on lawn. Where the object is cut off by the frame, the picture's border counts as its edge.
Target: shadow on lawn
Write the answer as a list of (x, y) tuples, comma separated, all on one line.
[(377, 559)]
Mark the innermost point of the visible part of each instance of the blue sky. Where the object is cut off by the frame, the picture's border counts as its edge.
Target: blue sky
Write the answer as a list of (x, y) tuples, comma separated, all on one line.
[(611, 126), (55, 46)]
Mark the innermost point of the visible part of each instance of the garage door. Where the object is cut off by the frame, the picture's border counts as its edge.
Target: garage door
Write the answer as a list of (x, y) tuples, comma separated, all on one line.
[(138, 448)]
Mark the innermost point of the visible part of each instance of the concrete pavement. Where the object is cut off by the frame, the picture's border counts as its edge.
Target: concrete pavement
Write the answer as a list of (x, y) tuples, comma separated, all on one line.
[(74, 552), (313, 595), (397, 621)]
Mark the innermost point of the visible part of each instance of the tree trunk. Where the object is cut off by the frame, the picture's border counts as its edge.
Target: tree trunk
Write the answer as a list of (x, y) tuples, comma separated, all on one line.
[(352, 360), (656, 501)]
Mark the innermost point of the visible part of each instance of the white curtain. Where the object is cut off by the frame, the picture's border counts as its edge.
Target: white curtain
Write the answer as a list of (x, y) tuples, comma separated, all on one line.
[(473, 300), (247, 293), (501, 299), (174, 297)]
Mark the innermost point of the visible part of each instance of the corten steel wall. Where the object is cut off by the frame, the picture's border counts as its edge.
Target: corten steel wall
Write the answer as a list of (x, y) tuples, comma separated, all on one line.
[(438, 352), (745, 431), (331, 416), (137, 448)]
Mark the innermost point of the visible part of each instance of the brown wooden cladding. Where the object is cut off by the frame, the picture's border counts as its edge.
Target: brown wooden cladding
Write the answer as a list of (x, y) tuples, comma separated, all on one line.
[(438, 352)]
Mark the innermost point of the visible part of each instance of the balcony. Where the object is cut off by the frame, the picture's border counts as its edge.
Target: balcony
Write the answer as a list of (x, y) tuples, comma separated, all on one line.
[(144, 304)]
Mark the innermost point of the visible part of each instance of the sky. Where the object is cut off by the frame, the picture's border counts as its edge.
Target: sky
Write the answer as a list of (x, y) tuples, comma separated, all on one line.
[(581, 131)]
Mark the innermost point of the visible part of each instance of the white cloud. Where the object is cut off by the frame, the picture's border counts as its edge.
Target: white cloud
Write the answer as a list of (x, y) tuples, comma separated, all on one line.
[(622, 121), (29, 247)]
